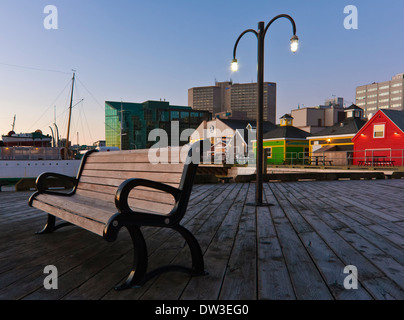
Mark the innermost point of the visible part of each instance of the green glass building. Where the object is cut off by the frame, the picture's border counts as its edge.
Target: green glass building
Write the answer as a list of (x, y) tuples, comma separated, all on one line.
[(127, 125)]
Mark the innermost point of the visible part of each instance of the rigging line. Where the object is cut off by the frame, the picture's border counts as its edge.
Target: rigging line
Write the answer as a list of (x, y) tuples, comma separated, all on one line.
[(32, 68), (83, 114), (112, 128), (99, 104), (88, 91), (88, 127), (52, 105)]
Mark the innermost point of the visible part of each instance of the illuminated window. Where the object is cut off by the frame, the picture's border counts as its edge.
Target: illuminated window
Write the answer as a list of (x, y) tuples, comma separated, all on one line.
[(378, 131)]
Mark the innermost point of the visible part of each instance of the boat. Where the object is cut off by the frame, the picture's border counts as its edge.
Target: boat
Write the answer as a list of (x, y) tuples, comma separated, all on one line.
[(27, 155), (34, 139), (21, 162)]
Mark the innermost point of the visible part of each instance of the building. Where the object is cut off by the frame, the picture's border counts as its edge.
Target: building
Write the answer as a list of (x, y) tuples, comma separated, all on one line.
[(128, 125), (335, 142), (239, 99), (381, 140), (230, 139), (34, 139), (99, 144), (315, 119), (381, 95), (286, 144)]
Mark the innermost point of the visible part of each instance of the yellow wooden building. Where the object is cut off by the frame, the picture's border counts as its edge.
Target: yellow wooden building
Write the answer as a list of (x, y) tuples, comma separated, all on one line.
[(335, 142)]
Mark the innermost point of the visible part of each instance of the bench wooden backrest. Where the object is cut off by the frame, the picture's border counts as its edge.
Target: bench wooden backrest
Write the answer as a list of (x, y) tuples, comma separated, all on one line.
[(103, 172)]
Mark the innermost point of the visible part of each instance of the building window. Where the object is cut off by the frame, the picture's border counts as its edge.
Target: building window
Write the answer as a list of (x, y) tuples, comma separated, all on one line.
[(378, 131), (268, 152)]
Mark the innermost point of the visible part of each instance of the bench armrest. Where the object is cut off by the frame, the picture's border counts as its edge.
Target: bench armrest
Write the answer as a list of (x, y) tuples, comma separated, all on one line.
[(121, 196), (41, 182)]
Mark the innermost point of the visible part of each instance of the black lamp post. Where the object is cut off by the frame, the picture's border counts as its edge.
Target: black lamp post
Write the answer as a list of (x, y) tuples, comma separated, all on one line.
[(260, 34)]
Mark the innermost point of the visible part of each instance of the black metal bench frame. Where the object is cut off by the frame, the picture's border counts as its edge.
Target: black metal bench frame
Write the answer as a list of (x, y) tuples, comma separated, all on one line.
[(134, 220)]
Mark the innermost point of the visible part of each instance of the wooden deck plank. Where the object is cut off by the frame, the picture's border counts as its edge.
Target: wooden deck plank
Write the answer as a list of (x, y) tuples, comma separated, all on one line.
[(204, 232), (217, 254), (369, 248), (329, 265), (349, 255), (239, 281), (306, 278), (274, 282), (296, 249)]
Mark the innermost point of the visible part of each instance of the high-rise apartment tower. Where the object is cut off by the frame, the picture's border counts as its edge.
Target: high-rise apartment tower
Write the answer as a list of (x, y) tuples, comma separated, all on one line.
[(237, 98), (381, 95)]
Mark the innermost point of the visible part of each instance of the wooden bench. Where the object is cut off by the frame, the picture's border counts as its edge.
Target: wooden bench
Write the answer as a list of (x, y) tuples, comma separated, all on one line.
[(123, 189)]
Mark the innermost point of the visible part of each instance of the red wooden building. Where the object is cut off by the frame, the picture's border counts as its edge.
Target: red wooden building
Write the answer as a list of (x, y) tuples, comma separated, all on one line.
[(380, 142)]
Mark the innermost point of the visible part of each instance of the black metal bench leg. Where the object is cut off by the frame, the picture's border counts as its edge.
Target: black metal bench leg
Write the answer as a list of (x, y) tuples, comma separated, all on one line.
[(137, 276), (198, 267), (50, 225)]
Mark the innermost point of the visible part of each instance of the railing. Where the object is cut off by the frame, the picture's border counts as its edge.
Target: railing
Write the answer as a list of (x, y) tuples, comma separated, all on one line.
[(360, 158), (30, 153), (369, 157)]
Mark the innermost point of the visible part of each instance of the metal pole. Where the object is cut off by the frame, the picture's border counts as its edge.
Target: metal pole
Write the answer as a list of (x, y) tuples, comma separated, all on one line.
[(260, 98), (260, 114), (70, 117)]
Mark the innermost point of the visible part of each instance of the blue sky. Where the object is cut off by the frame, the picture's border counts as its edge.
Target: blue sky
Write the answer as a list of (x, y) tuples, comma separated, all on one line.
[(138, 50)]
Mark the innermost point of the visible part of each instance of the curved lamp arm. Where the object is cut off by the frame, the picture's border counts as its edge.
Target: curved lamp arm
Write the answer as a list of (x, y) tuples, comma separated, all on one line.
[(294, 39), (282, 16), (239, 38)]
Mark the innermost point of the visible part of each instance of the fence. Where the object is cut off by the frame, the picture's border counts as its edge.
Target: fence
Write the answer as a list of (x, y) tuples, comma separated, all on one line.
[(30, 153), (370, 157)]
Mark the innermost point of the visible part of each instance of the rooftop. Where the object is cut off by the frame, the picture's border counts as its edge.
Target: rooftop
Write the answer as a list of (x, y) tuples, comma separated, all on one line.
[(397, 116), (348, 126), (287, 132), (242, 124)]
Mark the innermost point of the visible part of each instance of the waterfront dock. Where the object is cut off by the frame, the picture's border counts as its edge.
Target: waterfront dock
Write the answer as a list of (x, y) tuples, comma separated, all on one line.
[(297, 248)]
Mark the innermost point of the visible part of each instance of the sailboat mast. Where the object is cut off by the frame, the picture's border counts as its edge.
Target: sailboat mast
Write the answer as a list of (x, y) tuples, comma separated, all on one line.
[(13, 124), (70, 112)]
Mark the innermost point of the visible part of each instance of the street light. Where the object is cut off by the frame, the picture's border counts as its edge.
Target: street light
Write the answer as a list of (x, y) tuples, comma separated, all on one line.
[(294, 44), (234, 65)]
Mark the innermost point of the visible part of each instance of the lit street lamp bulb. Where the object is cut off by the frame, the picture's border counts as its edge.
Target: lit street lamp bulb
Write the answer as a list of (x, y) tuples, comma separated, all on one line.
[(294, 43), (234, 65)]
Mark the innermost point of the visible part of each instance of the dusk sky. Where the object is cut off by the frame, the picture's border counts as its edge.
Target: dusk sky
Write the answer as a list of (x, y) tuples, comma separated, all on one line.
[(135, 51)]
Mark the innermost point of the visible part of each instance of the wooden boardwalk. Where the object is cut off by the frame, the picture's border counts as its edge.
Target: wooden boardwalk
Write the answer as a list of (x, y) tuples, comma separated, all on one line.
[(296, 249)]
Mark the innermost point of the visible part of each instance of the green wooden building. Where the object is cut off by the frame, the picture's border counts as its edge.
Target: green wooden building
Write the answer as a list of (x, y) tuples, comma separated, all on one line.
[(286, 144)]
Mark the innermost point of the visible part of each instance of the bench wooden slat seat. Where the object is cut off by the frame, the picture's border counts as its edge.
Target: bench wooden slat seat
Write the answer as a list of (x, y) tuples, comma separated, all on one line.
[(124, 189)]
